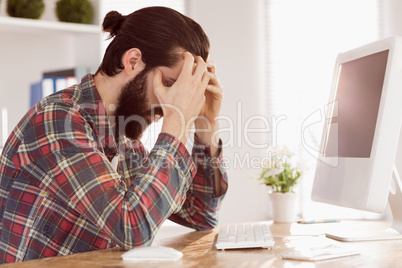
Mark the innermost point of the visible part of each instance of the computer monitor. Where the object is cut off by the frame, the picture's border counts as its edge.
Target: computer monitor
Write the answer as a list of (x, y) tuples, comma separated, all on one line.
[(361, 151)]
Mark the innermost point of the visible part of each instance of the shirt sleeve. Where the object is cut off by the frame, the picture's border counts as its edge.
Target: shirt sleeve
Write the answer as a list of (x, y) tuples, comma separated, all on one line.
[(200, 209), (64, 147)]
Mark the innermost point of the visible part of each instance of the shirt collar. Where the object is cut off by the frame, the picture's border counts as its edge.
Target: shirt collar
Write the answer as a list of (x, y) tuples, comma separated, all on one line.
[(95, 107)]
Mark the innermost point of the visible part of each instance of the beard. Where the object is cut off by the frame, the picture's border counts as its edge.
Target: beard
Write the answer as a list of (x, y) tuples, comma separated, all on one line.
[(132, 113)]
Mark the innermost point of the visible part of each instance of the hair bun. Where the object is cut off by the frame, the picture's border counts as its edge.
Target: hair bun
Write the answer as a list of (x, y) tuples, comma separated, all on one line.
[(112, 23)]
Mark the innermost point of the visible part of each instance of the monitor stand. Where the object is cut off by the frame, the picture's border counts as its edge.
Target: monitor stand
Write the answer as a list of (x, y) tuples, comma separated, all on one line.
[(394, 232)]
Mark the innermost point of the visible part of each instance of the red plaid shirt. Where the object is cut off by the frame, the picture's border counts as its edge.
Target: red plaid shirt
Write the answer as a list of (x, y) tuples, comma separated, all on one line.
[(60, 193)]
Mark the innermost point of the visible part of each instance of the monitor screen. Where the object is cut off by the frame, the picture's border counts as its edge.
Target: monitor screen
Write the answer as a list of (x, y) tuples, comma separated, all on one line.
[(358, 95)]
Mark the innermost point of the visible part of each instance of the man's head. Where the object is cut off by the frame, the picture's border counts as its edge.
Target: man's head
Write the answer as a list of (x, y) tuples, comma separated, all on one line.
[(161, 35), (158, 32)]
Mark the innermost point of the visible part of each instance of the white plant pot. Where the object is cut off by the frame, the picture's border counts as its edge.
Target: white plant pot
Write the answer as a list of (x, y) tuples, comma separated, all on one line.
[(283, 206)]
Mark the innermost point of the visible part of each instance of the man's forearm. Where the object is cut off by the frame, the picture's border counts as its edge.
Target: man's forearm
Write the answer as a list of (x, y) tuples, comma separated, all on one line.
[(200, 210), (208, 134)]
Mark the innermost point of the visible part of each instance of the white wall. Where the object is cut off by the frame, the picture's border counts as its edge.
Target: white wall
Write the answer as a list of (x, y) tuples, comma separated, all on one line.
[(392, 18), (236, 36)]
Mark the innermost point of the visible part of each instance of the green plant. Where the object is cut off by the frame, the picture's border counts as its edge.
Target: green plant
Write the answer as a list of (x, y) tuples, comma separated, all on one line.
[(77, 11), (280, 172), (30, 9)]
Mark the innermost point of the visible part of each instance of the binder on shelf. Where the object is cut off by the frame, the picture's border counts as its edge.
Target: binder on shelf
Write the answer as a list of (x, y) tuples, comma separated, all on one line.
[(41, 89), (71, 80), (77, 72), (56, 80), (64, 82), (59, 83)]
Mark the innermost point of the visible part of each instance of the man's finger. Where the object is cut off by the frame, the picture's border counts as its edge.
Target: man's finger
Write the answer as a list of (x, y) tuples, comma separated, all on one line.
[(188, 64), (157, 80), (217, 92), (214, 79), (205, 80), (201, 67), (211, 67)]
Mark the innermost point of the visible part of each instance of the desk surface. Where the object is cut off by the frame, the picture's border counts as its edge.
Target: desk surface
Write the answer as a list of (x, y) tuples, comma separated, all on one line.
[(199, 250)]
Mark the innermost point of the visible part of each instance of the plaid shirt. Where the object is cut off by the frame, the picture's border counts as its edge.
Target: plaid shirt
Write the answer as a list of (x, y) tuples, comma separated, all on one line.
[(60, 193)]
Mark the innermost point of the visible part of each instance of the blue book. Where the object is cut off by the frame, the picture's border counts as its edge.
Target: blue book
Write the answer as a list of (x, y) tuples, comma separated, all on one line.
[(41, 89)]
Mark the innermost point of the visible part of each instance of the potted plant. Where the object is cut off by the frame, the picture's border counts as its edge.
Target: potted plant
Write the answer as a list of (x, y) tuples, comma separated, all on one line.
[(281, 173), (77, 11), (30, 9)]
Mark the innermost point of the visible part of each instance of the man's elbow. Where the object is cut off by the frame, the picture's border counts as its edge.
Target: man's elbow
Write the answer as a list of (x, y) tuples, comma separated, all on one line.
[(207, 225)]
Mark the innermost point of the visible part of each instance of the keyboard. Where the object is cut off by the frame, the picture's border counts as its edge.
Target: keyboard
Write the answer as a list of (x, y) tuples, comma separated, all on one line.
[(238, 236)]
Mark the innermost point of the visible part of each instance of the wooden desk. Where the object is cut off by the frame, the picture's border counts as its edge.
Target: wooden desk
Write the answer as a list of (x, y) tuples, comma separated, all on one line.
[(199, 250)]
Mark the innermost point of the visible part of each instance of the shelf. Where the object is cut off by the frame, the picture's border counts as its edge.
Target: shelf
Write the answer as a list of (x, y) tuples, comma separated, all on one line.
[(19, 25)]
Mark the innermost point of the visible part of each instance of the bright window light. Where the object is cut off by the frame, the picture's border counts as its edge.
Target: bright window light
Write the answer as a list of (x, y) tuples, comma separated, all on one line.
[(303, 39)]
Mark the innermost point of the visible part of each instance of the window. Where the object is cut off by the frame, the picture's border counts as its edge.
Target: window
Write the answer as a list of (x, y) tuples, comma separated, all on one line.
[(303, 39)]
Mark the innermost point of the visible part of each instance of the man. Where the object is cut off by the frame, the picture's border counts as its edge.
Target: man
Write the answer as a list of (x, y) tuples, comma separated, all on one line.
[(74, 176)]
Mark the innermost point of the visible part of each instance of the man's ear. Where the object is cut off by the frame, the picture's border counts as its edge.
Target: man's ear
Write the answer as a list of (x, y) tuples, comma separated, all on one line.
[(132, 61)]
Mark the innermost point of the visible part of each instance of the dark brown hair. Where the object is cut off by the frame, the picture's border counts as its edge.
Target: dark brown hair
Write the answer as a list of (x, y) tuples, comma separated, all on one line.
[(159, 33)]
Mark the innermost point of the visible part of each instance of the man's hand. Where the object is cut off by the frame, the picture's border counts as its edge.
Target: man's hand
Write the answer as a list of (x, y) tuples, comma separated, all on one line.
[(182, 102), (206, 125)]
